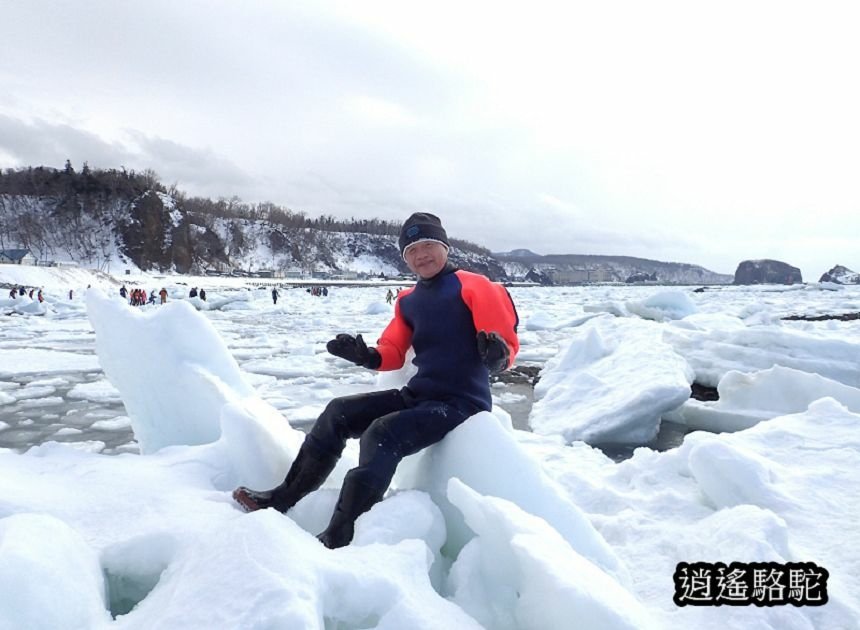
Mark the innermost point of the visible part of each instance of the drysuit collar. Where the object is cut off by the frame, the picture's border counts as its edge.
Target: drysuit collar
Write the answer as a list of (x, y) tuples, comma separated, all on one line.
[(448, 268)]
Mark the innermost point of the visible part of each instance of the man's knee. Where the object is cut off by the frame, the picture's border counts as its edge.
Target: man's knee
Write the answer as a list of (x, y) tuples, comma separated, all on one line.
[(380, 450), (335, 410), (379, 438), (330, 429)]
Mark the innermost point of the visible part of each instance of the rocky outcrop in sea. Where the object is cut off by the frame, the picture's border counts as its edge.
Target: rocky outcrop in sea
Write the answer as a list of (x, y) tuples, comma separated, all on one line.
[(767, 271)]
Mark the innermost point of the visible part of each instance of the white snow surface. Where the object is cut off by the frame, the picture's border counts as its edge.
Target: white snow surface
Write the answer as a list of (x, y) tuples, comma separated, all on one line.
[(612, 383), (493, 527), (713, 352), (663, 306), (748, 398)]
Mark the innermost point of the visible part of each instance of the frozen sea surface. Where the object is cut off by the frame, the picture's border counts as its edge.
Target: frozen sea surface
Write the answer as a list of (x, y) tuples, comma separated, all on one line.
[(50, 379), (494, 527)]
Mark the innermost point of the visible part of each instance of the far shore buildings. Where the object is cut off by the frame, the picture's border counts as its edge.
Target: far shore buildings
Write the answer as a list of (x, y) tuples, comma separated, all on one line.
[(17, 257), (579, 275)]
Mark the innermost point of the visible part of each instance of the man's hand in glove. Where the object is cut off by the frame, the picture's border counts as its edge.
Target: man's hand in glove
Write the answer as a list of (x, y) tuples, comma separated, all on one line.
[(354, 349), (493, 351)]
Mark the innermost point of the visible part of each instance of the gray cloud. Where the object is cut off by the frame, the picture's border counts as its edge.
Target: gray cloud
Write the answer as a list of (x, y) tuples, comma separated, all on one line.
[(570, 135), (200, 171), (50, 144)]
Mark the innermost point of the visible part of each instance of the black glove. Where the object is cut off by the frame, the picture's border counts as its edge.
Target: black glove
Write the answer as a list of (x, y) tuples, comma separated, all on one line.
[(354, 349), (493, 351)]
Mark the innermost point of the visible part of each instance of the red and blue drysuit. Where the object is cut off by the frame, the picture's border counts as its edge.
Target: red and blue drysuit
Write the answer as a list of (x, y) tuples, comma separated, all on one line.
[(438, 317)]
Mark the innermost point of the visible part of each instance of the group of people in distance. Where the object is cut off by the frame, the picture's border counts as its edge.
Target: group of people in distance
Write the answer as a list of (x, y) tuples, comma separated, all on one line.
[(138, 297), (33, 294), (391, 296), (315, 291)]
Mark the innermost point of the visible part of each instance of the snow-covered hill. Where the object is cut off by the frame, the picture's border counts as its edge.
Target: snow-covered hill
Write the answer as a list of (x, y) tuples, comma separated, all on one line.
[(155, 232), (841, 275), (576, 269), (118, 221)]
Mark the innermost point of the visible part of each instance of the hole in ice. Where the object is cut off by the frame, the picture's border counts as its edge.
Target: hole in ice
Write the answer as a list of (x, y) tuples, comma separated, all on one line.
[(124, 592), (133, 568)]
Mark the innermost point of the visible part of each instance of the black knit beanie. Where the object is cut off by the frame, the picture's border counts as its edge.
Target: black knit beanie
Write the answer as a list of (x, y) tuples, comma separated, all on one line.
[(422, 226)]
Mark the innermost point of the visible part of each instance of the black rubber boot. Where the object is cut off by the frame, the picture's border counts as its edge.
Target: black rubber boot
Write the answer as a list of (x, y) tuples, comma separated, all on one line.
[(308, 472), (356, 498)]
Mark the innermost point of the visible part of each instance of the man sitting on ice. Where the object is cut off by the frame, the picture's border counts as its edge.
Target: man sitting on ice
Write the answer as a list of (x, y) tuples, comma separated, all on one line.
[(462, 327)]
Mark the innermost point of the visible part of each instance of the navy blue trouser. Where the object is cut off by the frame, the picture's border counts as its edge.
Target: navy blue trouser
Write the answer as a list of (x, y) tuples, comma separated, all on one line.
[(391, 425)]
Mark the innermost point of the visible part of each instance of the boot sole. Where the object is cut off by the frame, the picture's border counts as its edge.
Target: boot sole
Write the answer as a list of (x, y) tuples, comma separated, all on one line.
[(245, 502)]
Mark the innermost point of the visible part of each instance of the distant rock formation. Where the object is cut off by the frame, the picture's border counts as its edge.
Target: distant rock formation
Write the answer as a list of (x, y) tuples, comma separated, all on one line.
[(767, 272), (641, 277), (570, 269), (536, 276), (517, 253), (841, 275)]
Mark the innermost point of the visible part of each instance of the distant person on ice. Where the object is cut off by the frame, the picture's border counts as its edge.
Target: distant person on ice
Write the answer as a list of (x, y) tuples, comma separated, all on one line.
[(275, 295), (462, 327)]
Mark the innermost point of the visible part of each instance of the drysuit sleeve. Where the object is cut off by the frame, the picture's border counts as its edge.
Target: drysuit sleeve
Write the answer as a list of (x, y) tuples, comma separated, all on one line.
[(492, 309), (395, 340)]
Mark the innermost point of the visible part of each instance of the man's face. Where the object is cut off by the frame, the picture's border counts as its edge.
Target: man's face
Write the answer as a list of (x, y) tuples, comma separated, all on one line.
[(426, 258)]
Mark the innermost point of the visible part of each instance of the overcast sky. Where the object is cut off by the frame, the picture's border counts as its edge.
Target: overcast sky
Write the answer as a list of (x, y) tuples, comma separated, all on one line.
[(701, 132)]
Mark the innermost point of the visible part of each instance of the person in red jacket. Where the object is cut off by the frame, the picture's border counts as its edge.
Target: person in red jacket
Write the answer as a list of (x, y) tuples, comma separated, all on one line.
[(462, 327)]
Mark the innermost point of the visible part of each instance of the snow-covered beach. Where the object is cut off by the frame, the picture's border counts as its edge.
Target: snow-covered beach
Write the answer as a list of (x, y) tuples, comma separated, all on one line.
[(144, 419)]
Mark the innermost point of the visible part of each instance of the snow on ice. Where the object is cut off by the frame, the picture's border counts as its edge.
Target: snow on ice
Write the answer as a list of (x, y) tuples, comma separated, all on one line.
[(611, 384), (493, 527)]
